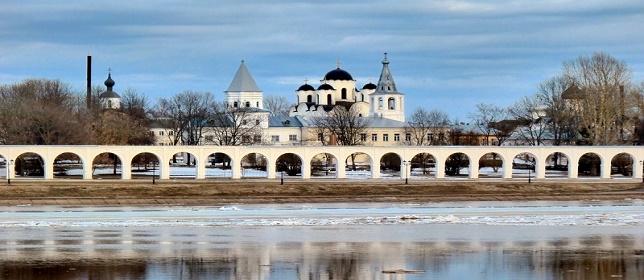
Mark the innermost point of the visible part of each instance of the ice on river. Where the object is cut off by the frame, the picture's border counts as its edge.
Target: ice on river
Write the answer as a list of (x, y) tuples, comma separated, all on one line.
[(625, 213)]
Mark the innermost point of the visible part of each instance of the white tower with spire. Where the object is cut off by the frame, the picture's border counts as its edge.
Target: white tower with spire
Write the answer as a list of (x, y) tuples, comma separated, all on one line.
[(243, 91), (109, 99), (386, 101)]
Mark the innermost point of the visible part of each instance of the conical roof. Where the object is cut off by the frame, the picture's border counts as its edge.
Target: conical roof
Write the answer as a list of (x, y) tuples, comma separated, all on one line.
[(386, 82), (243, 81)]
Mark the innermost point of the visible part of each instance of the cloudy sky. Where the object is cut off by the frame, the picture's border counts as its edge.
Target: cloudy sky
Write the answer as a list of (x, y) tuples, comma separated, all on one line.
[(444, 54)]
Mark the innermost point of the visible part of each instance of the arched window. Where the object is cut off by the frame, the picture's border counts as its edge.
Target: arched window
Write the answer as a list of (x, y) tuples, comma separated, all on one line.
[(247, 103), (380, 102), (391, 103), (235, 104), (257, 104), (329, 99), (109, 103), (309, 98), (344, 93)]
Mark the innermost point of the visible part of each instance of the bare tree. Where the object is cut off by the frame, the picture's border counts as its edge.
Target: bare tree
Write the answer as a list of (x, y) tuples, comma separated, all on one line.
[(277, 105), (186, 114), (605, 84), (562, 123), (230, 126), (41, 112), (426, 127), (529, 111), (342, 126), (487, 119)]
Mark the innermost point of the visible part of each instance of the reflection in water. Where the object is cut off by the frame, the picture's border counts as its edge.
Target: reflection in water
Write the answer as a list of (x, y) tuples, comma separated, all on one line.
[(149, 255), (133, 245)]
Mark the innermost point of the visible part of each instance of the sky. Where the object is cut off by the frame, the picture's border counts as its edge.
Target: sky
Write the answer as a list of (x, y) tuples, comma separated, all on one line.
[(444, 54)]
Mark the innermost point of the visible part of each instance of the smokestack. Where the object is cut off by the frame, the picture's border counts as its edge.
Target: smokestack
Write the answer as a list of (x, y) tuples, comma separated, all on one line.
[(89, 82)]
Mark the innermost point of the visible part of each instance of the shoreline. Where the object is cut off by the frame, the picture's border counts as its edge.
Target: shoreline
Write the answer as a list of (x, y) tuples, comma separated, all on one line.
[(258, 191)]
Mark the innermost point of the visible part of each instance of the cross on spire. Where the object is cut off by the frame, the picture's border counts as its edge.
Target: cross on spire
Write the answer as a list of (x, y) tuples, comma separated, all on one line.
[(109, 70), (338, 63), (306, 81)]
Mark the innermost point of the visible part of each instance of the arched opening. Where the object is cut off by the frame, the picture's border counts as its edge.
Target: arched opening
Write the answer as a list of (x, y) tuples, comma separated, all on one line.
[(183, 165), (491, 166), (524, 166), (390, 164), (68, 166), (391, 103), (30, 165), (145, 166), (3, 167), (380, 102), (253, 165), (219, 165), (557, 166), (589, 166), (324, 165), (457, 165), (621, 166), (329, 99), (423, 166), (344, 93), (358, 166), (106, 166), (290, 165), (309, 98)]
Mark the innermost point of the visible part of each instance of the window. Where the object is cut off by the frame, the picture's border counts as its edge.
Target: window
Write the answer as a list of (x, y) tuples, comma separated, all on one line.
[(344, 93), (363, 137), (235, 104), (256, 122), (374, 137), (161, 133), (257, 104), (309, 98), (407, 137), (244, 122), (430, 137), (257, 139), (247, 103), (210, 138), (292, 137), (151, 133), (320, 137), (329, 99), (171, 133), (245, 139), (380, 102), (385, 137), (397, 137), (275, 138), (392, 103)]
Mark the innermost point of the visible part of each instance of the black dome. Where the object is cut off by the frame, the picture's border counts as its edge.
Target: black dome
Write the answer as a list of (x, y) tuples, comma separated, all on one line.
[(369, 86), (306, 87), (325, 87), (338, 75), (109, 82)]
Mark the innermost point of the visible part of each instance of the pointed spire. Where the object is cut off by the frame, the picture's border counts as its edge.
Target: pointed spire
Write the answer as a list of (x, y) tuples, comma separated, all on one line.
[(386, 82), (243, 81)]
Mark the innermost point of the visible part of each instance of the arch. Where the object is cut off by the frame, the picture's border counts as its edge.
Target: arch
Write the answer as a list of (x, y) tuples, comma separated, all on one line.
[(557, 166), (457, 165), (253, 165), (145, 166), (324, 165), (290, 164), (344, 94), (380, 102), (219, 165), (68, 166), (589, 165), (390, 166), (391, 103), (423, 166), (329, 99), (183, 165), (107, 166), (491, 165), (29, 165), (622, 165), (309, 98), (524, 166), (358, 166)]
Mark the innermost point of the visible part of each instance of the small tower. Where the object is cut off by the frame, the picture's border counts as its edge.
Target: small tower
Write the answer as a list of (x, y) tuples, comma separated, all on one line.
[(386, 101), (243, 91), (110, 99)]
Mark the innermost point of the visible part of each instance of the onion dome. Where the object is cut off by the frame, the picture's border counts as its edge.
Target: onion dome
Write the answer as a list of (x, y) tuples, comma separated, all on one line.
[(369, 86), (325, 87), (306, 87), (109, 83), (338, 75)]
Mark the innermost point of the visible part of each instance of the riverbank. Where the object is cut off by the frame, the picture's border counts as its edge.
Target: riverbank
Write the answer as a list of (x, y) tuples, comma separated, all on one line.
[(217, 192)]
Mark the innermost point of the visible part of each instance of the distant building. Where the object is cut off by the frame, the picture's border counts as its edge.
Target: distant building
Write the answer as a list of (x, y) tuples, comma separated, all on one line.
[(110, 99)]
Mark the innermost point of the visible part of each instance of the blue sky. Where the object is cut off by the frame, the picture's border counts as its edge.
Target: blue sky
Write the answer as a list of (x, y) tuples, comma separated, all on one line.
[(447, 55)]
